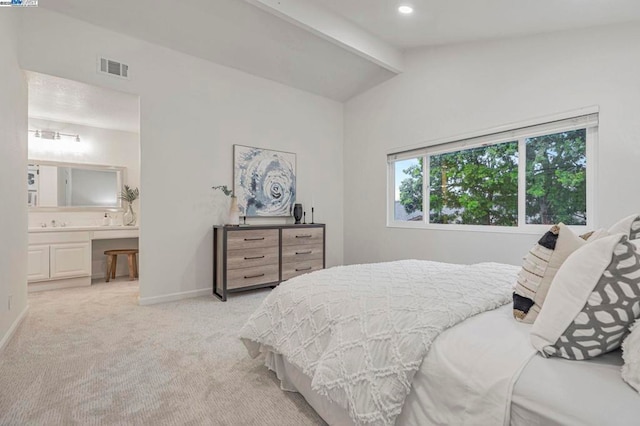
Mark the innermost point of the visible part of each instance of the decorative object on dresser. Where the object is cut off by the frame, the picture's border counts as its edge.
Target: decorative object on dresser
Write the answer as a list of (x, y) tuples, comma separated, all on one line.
[(264, 181), (297, 213), (250, 257), (234, 213)]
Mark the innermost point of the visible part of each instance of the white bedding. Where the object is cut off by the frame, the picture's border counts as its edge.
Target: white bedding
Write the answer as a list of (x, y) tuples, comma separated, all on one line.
[(361, 332), (554, 392), (547, 392), (468, 375)]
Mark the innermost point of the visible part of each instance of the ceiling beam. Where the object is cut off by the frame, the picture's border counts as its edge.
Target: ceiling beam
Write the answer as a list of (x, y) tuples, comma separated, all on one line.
[(335, 29)]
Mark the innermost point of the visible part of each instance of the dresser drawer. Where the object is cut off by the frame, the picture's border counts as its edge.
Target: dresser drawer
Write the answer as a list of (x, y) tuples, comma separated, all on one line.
[(301, 236), (302, 252), (238, 278), (261, 256), (254, 238), (290, 270)]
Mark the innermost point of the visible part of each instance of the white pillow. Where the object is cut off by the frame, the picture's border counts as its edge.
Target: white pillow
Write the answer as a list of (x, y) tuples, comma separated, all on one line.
[(631, 356), (593, 299), (630, 226)]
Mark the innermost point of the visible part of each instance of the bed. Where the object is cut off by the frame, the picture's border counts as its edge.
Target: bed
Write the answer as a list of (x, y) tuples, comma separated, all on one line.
[(464, 361)]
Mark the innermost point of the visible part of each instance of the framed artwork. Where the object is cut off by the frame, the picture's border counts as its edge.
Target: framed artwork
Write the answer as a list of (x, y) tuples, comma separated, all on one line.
[(33, 178), (264, 181)]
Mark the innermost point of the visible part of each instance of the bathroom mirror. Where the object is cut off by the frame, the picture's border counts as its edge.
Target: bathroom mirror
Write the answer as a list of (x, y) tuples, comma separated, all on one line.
[(55, 186)]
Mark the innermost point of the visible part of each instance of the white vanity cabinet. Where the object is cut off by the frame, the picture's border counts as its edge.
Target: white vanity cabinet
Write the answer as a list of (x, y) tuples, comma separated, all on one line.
[(62, 257), (38, 261), (55, 261), (69, 260), (59, 259)]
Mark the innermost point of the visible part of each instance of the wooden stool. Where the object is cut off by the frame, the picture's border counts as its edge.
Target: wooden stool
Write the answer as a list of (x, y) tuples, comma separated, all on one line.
[(112, 263)]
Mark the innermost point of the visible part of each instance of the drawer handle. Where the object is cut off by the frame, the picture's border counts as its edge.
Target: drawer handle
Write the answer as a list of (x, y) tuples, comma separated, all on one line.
[(303, 269), (246, 277), (304, 236), (253, 258), (254, 239), (304, 252)]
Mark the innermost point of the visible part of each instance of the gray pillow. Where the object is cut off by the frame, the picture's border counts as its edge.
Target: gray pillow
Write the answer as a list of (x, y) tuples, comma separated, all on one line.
[(594, 299)]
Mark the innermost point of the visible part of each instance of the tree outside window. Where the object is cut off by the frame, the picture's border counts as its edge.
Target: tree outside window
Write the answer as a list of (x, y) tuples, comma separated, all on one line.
[(479, 186)]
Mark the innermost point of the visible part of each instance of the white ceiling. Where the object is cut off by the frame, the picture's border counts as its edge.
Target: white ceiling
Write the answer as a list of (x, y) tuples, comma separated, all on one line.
[(454, 21), (67, 101), (334, 48), (236, 34)]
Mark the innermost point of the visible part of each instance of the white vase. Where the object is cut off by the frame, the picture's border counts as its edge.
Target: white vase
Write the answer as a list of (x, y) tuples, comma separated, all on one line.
[(234, 212)]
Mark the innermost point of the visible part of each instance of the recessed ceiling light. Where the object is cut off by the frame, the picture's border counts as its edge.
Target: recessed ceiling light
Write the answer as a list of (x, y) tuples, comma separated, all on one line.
[(405, 9)]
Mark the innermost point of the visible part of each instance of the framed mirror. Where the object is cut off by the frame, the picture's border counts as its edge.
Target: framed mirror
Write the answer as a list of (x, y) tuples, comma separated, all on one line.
[(55, 186)]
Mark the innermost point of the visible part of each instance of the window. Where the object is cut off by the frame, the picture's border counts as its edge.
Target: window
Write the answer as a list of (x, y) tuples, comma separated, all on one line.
[(556, 189), (408, 200), (536, 175)]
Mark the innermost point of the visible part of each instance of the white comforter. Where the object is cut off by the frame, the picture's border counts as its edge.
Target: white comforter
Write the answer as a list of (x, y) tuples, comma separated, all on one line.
[(361, 332)]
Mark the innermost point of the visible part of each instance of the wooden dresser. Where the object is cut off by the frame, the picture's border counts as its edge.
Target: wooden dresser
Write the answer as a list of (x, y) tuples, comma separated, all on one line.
[(248, 257)]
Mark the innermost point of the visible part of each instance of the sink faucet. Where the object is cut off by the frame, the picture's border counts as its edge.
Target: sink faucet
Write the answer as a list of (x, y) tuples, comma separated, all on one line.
[(53, 223)]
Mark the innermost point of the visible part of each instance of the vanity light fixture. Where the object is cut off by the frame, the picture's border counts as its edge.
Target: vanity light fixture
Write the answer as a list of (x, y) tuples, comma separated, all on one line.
[(51, 135), (405, 9)]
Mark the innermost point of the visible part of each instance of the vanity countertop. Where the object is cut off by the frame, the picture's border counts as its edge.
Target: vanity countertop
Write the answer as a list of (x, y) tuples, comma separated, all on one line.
[(70, 228)]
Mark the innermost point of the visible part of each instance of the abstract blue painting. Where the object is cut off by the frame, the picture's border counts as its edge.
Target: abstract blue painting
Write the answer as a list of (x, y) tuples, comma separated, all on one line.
[(264, 181)]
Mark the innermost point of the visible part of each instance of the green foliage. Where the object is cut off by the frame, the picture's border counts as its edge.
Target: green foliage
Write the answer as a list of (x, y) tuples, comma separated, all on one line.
[(475, 186), (128, 194), (226, 191), (411, 188), (557, 178), (479, 186)]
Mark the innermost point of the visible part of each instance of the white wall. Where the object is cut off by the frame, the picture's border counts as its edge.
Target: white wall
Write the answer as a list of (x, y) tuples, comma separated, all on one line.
[(13, 185), (449, 91), (192, 112), (106, 147)]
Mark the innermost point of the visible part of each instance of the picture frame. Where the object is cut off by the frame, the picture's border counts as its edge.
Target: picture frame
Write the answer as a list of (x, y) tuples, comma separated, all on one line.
[(264, 181)]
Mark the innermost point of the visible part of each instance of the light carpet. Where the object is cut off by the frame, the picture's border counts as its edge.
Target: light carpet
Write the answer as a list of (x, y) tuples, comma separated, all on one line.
[(93, 356)]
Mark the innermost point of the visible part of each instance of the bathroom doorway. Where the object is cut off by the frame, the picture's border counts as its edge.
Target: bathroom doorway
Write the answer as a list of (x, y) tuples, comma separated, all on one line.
[(83, 183)]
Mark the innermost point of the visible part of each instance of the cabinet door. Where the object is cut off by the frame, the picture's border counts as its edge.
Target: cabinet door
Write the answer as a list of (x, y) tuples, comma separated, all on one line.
[(38, 263), (70, 260)]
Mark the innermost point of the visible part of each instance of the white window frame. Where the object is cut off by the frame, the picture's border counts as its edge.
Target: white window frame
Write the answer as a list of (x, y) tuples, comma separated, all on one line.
[(583, 119)]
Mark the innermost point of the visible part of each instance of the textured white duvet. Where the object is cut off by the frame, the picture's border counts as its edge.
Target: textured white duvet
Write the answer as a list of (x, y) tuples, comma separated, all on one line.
[(361, 332)]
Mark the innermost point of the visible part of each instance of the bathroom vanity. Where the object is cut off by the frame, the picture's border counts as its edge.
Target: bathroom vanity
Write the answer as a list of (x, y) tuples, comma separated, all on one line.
[(61, 257)]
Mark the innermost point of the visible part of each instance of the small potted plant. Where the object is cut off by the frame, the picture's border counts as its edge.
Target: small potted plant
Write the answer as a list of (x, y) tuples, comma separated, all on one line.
[(234, 212), (129, 195)]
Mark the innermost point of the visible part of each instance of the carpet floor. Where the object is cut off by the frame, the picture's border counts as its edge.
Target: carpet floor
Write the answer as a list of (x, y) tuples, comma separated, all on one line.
[(92, 356)]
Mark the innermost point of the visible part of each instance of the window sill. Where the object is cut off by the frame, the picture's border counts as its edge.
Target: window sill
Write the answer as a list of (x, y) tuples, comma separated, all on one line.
[(525, 230)]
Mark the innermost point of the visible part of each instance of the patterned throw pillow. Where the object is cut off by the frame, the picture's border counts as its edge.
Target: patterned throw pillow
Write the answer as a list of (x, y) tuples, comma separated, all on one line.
[(630, 226), (631, 356), (539, 267), (594, 298)]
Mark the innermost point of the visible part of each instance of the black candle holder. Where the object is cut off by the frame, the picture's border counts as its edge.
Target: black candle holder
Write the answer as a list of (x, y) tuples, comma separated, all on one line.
[(304, 218), (312, 211)]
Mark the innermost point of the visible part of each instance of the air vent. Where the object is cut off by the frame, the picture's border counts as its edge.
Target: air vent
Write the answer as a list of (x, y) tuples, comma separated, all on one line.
[(111, 67)]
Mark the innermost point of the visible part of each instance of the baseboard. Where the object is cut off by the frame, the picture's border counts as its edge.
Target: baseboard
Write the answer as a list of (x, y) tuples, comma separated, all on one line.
[(7, 337), (175, 296), (36, 286)]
